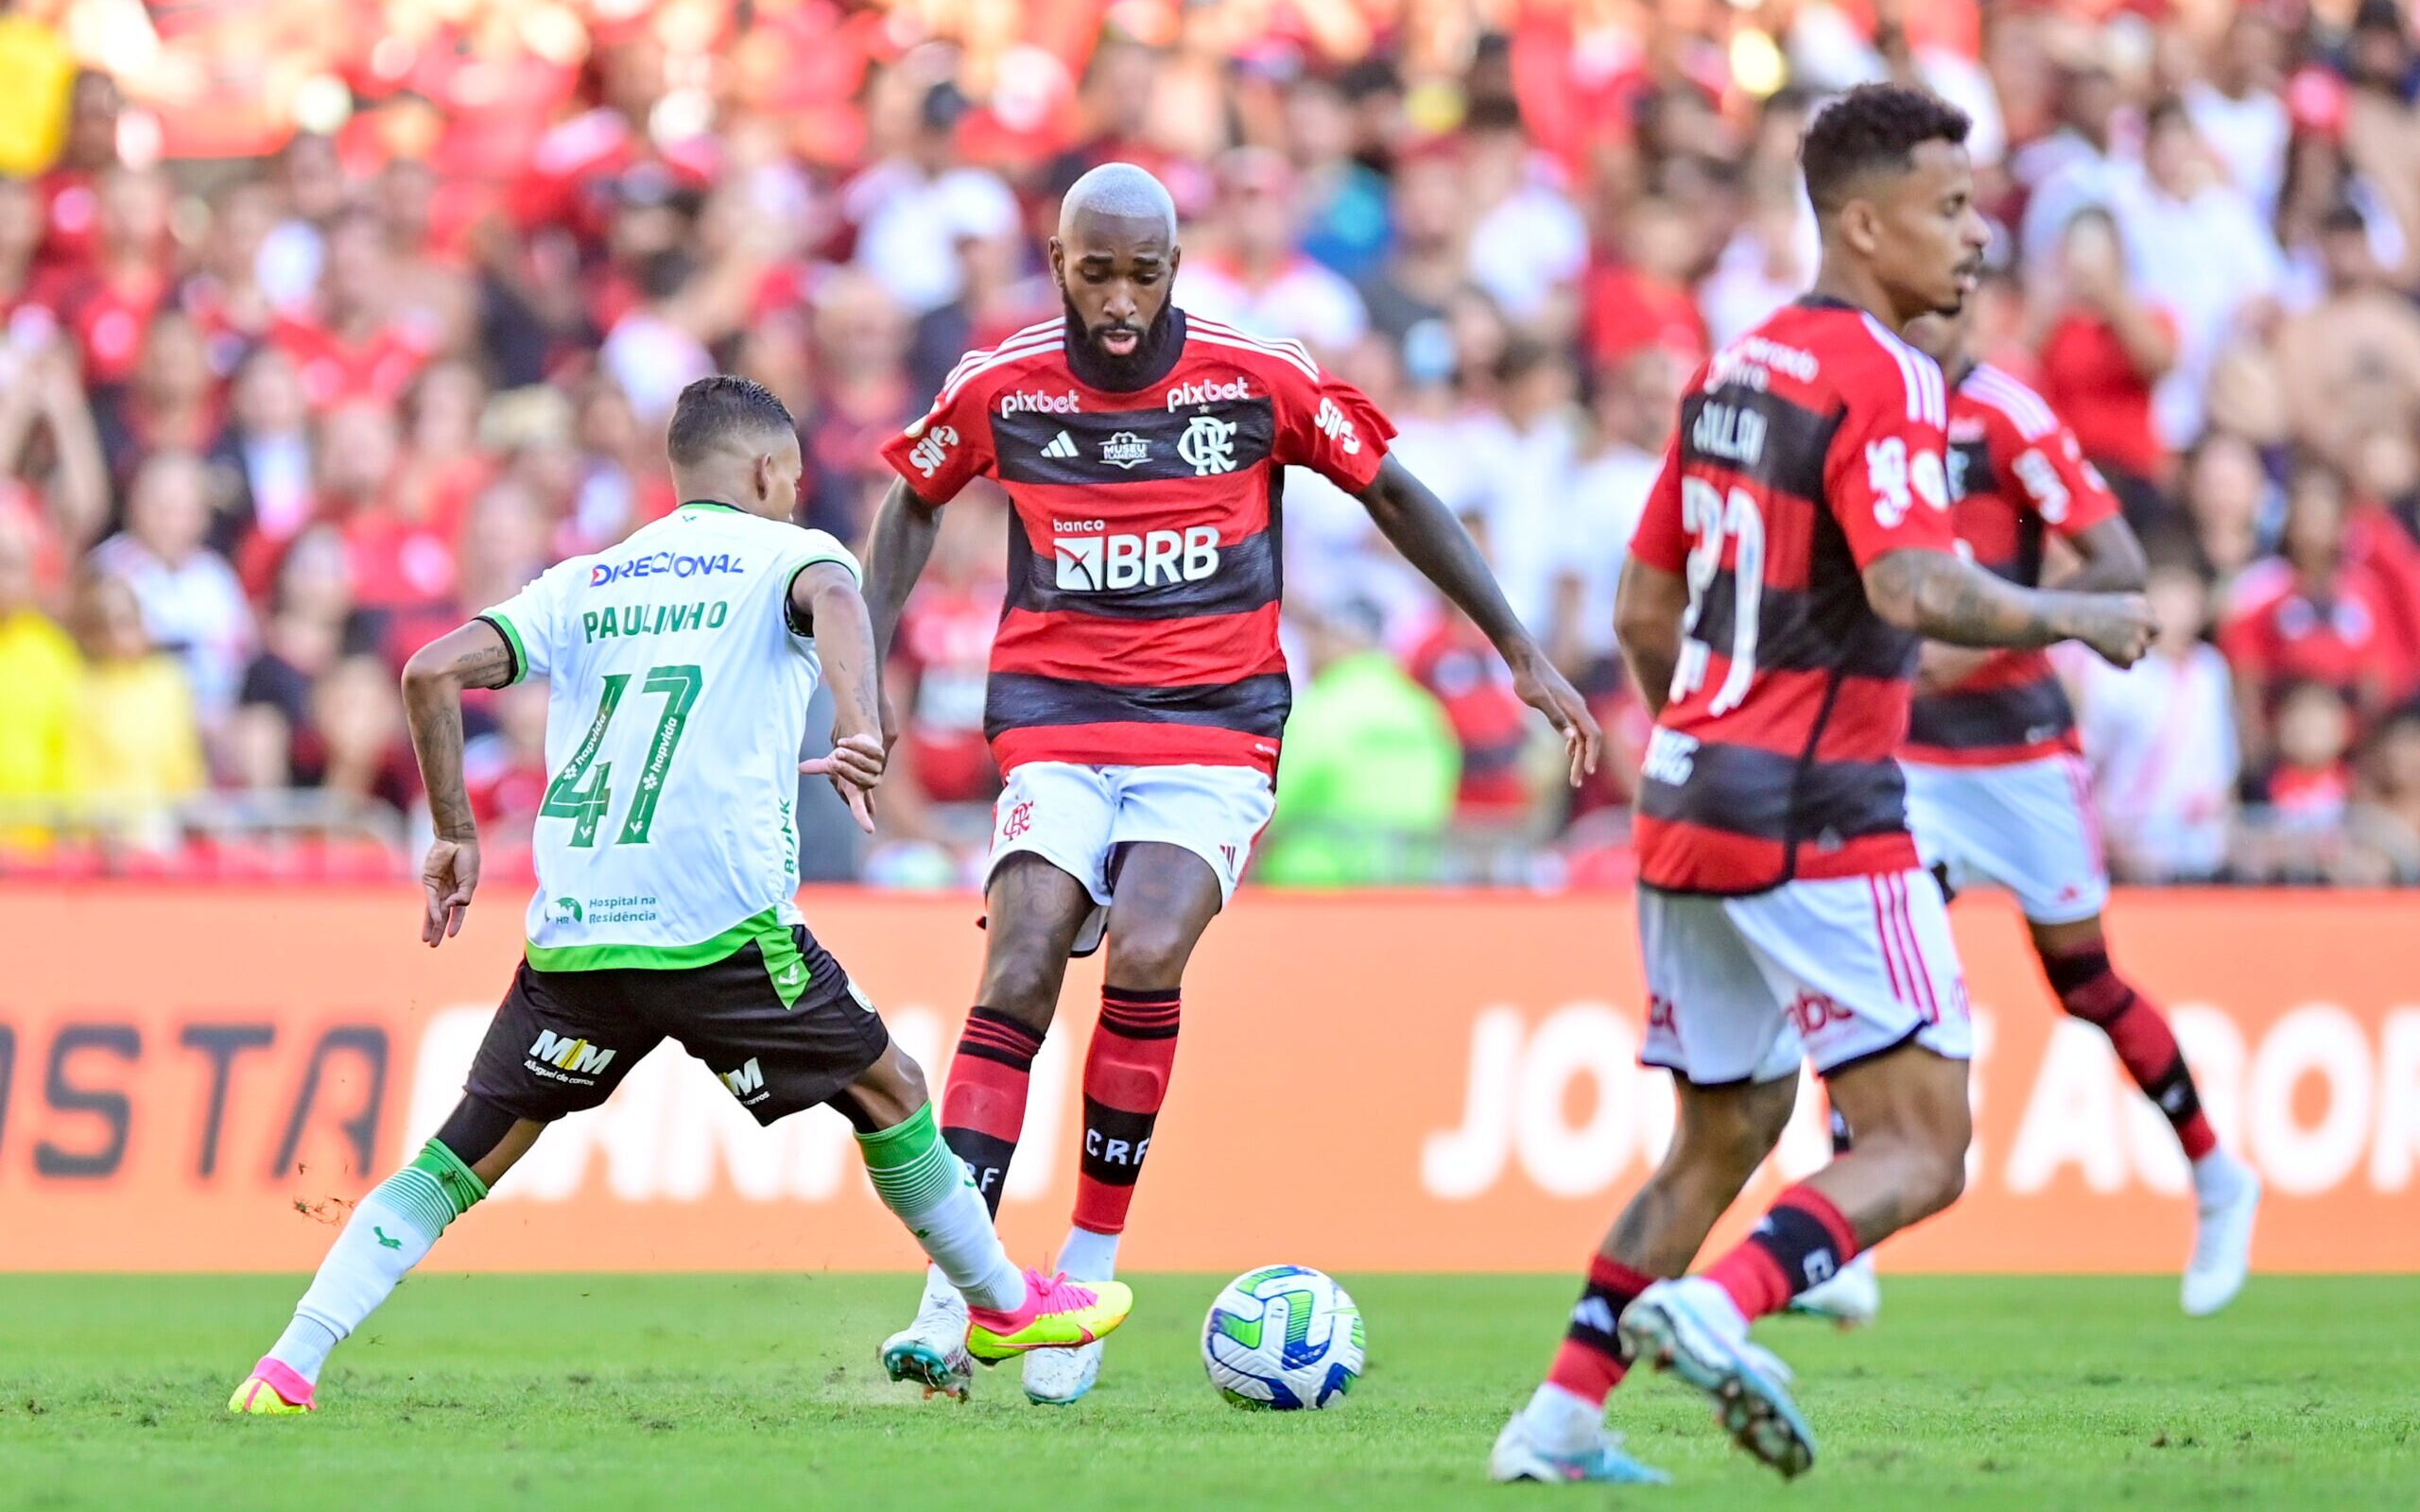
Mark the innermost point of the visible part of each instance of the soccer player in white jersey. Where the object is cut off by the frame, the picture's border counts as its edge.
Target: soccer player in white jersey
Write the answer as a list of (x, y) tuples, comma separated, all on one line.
[(679, 666)]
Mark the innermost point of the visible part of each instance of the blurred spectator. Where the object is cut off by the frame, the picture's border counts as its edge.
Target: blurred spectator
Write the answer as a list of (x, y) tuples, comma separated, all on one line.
[(1528, 244), (2078, 166), (2228, 501), (2352, 361), (2161, 736), (912, 207), (352, 750), (1644, 299), (311, 626), (51, 470), (1255, 277), (105, 299), (1371, 770), (1410, 286), (2309, 615), (1528, 444), (189, 599), (860, 346), (39, 672), (2196, 246), (271, 436), (2391, 785), (350, 342), (135, 748), (939, 660), (71, 187), (2238, 108), (1637, 403), (2312, 781), (171, 405), (2103, 349)]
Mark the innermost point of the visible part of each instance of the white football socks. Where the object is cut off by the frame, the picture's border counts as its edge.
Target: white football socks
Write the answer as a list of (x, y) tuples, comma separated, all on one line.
[(933, 1194), (390, 1232)]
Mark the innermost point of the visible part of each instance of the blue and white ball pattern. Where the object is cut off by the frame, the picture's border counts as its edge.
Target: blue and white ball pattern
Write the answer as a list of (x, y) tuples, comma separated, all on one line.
[(1282, 1337)]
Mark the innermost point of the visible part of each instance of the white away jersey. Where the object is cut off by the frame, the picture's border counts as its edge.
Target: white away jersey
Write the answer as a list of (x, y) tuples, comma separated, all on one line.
[(676, 708)]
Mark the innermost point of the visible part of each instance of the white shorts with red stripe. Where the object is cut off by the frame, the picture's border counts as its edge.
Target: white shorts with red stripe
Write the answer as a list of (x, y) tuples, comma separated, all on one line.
[(2028, 826), (1078, 818), (1833, 971)]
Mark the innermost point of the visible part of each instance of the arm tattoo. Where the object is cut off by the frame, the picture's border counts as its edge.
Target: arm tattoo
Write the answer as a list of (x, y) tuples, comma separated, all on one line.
[(1953, 600), (438, 743), (485, 666)]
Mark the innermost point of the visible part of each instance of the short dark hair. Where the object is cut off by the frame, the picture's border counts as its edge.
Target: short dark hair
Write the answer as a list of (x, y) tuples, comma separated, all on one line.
[(712, 410), (1873, 125)]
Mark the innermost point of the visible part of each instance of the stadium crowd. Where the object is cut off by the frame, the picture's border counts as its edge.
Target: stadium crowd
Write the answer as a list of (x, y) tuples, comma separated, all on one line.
[(328, 325)]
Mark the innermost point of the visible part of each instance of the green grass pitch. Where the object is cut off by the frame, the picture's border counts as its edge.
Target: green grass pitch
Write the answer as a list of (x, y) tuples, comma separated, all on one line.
[(595, 1393)]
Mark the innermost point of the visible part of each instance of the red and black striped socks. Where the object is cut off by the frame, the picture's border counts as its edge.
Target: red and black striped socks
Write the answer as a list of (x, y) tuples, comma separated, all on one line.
[(983, 1107), (1126, 1078)]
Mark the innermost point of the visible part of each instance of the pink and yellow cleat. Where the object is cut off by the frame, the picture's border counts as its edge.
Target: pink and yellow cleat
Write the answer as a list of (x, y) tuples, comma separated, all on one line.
[(272, 1390), (1058, 1314)]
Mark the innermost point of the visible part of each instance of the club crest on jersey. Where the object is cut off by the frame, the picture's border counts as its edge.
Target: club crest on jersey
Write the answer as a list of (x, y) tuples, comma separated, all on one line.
[(1184, 394), (1208, 445), (1125, 450)]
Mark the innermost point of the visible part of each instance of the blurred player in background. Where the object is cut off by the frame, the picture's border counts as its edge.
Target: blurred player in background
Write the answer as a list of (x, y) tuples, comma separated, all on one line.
[(1998, 792), (680, 664), (1792, 555), (1137, 693)]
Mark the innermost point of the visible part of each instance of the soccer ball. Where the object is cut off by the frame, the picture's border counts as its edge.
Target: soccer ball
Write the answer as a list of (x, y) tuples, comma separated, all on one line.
[(1282, 1337)]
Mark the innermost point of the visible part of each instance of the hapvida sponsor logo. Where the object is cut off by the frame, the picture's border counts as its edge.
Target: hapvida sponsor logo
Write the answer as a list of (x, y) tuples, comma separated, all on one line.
[(667, 564)]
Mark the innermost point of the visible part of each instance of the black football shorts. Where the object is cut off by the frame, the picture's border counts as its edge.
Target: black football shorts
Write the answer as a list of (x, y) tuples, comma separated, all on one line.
[(562, 1041)]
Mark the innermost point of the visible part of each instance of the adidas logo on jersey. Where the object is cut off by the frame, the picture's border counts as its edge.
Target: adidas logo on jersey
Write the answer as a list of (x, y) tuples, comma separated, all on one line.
[(1061, 445)]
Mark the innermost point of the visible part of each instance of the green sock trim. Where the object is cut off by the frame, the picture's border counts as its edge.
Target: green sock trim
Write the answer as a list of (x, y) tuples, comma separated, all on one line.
[(433, 1190), (910, 1166)]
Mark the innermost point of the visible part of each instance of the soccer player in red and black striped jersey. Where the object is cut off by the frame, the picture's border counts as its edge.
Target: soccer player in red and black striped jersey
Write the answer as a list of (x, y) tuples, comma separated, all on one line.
[(1998, 793), (1790, 558), (1138, 695)]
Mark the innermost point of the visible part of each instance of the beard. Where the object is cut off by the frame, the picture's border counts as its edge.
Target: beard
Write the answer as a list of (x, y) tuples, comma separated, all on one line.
[(1135, 368)]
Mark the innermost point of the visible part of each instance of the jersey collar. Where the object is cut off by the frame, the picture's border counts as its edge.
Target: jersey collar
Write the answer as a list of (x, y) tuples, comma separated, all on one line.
[(711, 504)]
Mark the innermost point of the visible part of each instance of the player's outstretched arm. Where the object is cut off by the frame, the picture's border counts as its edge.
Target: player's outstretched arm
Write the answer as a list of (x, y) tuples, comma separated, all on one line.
[(474, 656), (824, 602), (897, 551), (1648, 603), (1433, 541), (1948, 598)]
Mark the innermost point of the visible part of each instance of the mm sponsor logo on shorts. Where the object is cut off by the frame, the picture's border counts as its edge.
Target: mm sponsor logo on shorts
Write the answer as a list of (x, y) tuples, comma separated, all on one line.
[(1091, 563), (746, 1083), (667, 564), (570, 1060)]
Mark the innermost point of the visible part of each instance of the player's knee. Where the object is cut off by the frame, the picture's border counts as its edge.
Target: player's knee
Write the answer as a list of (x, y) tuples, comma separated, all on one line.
[(1022, 981), (1150, 952), (886, 1093)]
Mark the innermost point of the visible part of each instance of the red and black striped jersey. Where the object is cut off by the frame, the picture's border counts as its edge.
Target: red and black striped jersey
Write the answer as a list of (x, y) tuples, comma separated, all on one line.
[(2016, 477), (1140, 624), (1806, 449)]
